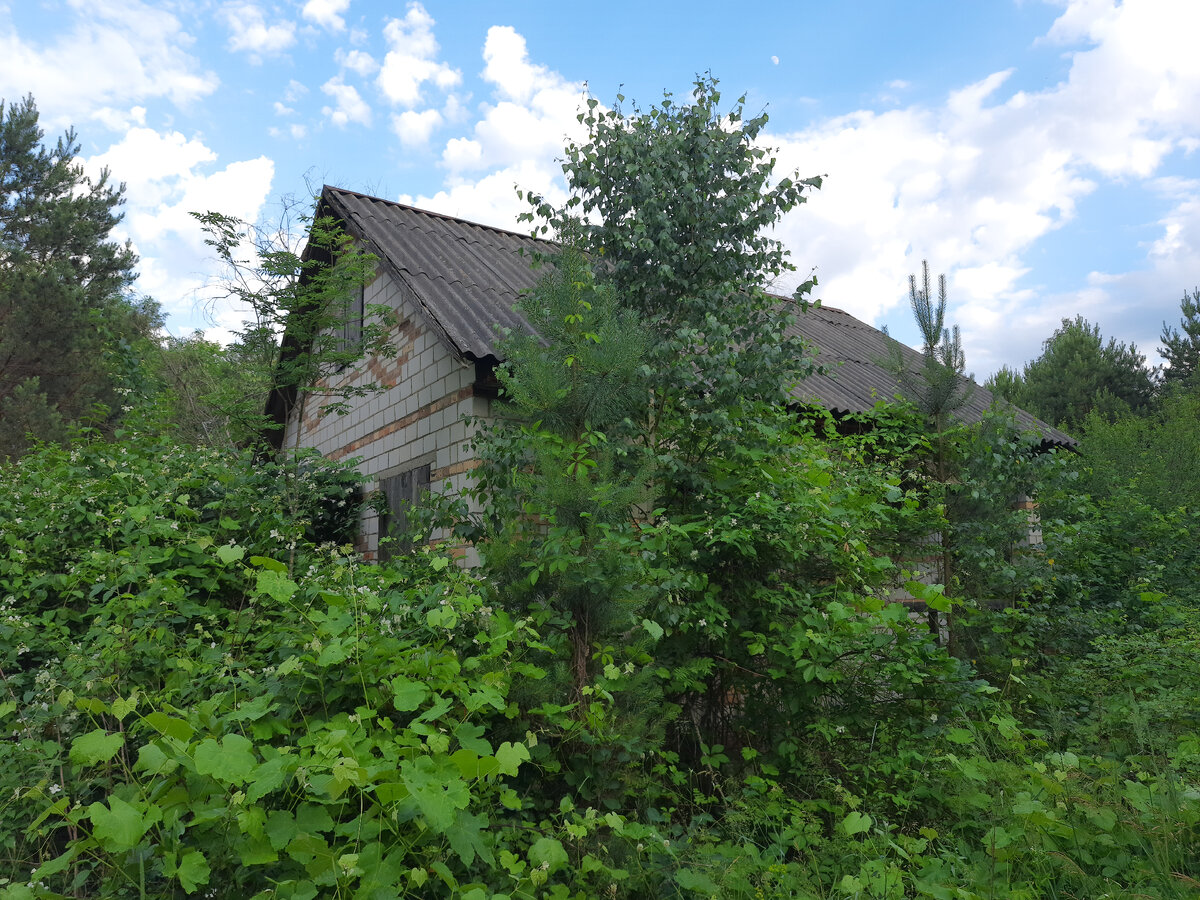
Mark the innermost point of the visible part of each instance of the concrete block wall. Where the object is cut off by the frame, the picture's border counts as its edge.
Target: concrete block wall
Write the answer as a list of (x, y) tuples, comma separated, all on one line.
[(417, 417)]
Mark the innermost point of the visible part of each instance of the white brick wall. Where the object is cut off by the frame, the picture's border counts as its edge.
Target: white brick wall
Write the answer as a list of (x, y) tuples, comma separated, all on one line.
[(430, 372)]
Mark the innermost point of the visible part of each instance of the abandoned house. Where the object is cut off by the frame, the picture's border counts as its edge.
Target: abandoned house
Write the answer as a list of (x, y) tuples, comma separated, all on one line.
[(452, 283)]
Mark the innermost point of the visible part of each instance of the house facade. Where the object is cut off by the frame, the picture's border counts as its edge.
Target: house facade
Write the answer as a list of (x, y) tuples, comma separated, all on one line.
[(452, 285)]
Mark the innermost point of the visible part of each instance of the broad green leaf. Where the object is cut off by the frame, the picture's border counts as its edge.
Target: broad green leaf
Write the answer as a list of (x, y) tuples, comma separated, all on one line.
[(437, 793), (408, 694), (153, 761), (332, 654), (95, 747), (470, 737), (466, 838), (276, 585), (254, 709), (193, 871), (56, 865), (471, 765), (548, 851), (230, 761), (510, 756), (256, 851), (856, 823), (961, 735), (281, 827), (691, 880), (655, 630), (271, 565), (996, 838), (228, 553), (119, 826), (313, 819), (122, 708), (299, 890), (267, 777), (170, 726)]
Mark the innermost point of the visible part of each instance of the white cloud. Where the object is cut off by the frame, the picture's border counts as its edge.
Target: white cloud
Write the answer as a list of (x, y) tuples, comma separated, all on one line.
[(326, 13), (350, 106), (974, 183), (120, 119), (462, 154), (295, 90), (492, 200), (281, 110), (507, 65), (415, 128), (250, 33), (121, 52), (149, 162), (774, 60), (534, 115), (411, 61), (358, 61), (454, 109), (167, 176)]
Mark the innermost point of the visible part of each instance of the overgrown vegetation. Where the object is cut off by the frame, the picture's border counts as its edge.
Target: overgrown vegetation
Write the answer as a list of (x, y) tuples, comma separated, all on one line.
[(678, 672)]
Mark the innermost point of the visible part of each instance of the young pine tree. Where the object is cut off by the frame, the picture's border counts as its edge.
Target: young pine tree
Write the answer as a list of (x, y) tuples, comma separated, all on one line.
[(1182, 350), (67, 329), (562, 492)]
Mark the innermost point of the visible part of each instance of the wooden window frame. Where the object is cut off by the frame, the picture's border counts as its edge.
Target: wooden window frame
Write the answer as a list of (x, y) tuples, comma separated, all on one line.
[(403, 489)]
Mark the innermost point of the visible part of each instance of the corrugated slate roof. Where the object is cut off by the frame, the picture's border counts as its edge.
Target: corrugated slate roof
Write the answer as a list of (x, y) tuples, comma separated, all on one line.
[(859, 361), (467, 277)]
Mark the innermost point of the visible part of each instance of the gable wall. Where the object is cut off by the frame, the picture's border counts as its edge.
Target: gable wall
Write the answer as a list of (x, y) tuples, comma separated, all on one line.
[(416, 419)]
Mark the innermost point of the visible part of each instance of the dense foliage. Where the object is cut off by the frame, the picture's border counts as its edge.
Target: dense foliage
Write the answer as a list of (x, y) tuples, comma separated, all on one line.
[(207, 692), (68, 331), (1181, 346), (678, 672), (1077, 374)]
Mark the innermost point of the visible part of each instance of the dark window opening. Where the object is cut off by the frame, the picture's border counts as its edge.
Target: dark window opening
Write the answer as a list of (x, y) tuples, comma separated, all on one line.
[(350, 335), (403, 492)]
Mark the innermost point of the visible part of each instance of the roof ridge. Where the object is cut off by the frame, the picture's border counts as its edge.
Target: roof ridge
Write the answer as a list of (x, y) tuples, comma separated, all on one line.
[(437, 215)]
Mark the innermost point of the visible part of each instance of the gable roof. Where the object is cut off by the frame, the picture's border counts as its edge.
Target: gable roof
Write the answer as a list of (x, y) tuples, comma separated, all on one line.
[(467, 277)]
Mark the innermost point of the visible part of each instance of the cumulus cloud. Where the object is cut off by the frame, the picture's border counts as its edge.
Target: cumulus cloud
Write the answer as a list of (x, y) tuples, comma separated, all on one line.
[(358, 61), (507, 65), (167, 176), (295, 90), (121, 52), (119, 119), (350, 107), (534, 113), (411, 61), (250, 33), (326, 13), (492, 199), (462, 154), (415, 128), (974, 183)]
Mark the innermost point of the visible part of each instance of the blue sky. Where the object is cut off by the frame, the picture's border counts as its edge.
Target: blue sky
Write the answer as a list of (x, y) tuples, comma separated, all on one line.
[(1042, 154)]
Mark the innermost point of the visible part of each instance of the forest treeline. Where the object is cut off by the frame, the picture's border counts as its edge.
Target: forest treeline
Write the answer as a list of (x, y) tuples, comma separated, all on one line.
[(678, 670)]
